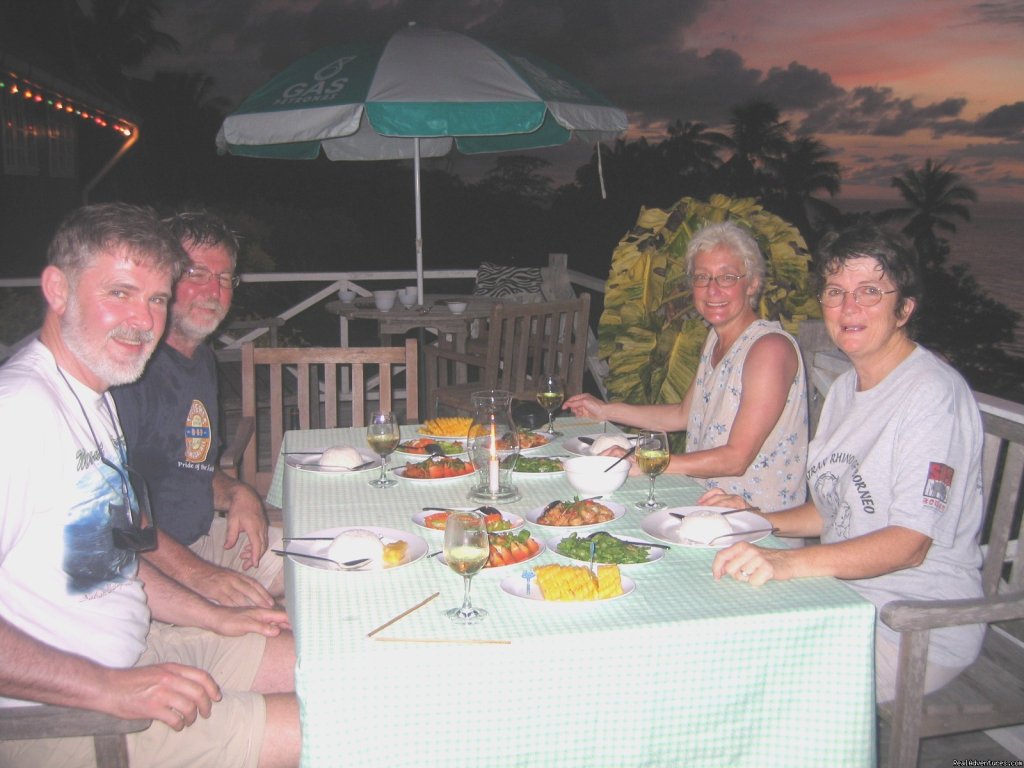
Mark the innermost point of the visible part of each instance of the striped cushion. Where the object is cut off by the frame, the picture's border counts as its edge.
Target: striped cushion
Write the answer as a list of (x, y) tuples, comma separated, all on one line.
[(497, 280)]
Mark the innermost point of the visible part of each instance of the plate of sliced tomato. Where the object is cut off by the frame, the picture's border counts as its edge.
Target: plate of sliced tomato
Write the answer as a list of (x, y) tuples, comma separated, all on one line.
[(508, 549), (497, 522), (420, 447), (435, 468)]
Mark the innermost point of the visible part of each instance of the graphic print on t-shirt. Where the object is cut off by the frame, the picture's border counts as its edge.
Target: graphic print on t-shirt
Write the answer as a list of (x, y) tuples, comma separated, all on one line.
[(197, 433), (90, 557), (936, 489)]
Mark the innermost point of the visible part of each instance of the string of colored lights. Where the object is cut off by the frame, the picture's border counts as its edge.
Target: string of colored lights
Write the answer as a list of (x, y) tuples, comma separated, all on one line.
[(15, 84)]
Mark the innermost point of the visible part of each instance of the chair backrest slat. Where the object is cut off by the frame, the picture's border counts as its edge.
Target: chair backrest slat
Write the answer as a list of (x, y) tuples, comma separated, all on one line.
[(313, 374), (1003, 477)]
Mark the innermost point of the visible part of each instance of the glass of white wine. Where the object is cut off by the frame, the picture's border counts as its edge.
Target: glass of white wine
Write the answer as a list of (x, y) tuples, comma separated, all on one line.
[(550, 394), (652, 456), (382, 435), (466, 548)]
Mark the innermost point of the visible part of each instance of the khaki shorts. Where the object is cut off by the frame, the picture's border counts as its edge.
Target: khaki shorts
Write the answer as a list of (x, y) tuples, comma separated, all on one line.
[(269, 573), (230, 738)]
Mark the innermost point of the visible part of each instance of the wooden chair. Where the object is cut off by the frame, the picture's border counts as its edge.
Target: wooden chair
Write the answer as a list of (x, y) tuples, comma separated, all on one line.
[(523, 342), (989, 693), (51, 722), (306, 387)]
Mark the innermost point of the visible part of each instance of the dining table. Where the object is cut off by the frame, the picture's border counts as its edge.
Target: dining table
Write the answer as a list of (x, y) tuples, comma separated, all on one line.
[(682, 670), (432, 315)]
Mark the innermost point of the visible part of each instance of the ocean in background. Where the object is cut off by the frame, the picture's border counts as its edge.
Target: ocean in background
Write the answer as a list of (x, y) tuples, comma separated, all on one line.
[(991, 244)]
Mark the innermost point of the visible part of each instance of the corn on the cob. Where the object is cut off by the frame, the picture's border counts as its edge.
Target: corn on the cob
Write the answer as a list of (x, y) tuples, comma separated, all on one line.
[(577, 582)]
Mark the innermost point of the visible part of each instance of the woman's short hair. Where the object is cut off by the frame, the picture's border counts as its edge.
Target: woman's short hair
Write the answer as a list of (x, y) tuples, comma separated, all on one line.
[(865, 239), (735, 239)]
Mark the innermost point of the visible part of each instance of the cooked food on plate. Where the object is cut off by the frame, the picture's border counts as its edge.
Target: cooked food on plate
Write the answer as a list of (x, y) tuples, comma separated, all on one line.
[(509, 548), (358, 543), (702, 526), (437, 468), (577, 582), (422, 445), (342, 457), (607, 549), (538, 464), (447, 426), (578, 512), (495, 522)]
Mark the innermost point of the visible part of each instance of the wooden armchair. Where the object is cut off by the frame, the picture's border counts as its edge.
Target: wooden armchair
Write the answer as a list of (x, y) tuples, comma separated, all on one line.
[(523, 342), (989, 693), (51, 722), (306, 389)]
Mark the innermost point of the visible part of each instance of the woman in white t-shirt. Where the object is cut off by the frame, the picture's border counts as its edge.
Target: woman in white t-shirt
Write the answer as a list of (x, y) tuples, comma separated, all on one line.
[(894, 471)]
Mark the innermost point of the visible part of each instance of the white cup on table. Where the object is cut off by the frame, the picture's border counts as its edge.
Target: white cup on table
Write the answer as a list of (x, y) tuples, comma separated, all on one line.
[(408, 296), (385, 300)]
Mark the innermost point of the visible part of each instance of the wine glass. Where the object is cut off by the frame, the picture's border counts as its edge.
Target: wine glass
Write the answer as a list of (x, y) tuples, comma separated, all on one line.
[(382, 436), (550, 394), (466, 548), (652, 456)]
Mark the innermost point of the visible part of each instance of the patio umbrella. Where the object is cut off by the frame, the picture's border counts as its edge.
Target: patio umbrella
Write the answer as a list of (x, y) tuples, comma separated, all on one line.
[(416, 94)]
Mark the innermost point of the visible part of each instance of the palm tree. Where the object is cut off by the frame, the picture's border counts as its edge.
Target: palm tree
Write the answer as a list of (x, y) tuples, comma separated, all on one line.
[(757, 138), (801, 171), (691, 154), (935, 196)]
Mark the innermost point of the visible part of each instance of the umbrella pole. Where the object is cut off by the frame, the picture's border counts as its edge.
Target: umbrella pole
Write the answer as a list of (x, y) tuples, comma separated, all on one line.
[(419, 221)]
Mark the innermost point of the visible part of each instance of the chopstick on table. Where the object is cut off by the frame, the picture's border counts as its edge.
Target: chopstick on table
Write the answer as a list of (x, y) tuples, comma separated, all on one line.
[(470, 641), (402, 615)]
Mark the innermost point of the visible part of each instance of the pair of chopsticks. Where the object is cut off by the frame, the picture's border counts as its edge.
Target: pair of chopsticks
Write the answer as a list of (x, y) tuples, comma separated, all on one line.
[(416, 607)]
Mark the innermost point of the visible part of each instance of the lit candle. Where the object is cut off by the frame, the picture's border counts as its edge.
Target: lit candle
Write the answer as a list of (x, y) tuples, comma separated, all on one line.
[(492, 464)]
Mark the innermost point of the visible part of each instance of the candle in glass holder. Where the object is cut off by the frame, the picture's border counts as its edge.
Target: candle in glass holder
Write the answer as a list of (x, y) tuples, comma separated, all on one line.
[(493, 479)]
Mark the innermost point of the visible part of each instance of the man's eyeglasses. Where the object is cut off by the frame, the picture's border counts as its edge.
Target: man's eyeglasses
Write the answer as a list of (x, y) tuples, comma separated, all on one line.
[(201, 276), (701, 280), (863, 296), (136, 529)]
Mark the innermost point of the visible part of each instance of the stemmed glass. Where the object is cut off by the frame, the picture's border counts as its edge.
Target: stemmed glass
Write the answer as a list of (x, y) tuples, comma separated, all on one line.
[(382, 435), (466, 548), (550, 394), (652, 456)]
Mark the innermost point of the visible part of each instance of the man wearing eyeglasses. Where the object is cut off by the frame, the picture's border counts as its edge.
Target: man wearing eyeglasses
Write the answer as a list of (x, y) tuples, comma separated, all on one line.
[(76, 601), (170, 422)]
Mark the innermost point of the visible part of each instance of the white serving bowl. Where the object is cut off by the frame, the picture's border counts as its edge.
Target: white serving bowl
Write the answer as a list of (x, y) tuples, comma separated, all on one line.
[(347, 297), (587, 474), (408, 296), (385, 300), (457, 307)]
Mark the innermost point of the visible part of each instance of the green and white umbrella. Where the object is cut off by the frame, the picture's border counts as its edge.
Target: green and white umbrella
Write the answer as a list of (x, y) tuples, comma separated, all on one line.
[(416, 95)]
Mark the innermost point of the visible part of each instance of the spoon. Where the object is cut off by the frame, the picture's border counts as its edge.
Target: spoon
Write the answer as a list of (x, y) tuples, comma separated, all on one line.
[(485, 509), (681, 516), (349, 565), (742, 533)]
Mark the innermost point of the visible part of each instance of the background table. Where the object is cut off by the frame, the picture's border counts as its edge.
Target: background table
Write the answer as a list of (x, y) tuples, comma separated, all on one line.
[(683, 671)]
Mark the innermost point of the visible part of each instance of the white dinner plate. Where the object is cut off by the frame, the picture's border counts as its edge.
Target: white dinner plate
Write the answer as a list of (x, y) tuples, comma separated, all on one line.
[(617, 511), (417, 548), (440, 557), (311, 463), (653, 553), (747, 526), (448, 438), (577, 446), (515, 585), (420, 517)]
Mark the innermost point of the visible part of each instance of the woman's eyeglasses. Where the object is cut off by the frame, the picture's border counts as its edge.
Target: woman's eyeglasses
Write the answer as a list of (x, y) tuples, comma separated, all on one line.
[(724, 281), (136, 529), (863, 295)]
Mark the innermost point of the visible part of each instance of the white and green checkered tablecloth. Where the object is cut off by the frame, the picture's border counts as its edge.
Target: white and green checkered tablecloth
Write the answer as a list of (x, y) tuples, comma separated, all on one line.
[(685, 671)]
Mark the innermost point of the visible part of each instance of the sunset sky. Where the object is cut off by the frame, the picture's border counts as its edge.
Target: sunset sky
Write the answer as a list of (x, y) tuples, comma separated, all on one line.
[(884, 83)]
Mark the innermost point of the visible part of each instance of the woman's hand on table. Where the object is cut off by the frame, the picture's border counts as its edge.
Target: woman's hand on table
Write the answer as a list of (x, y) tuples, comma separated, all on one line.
[(586, 406), (716, 497), (745, 562)]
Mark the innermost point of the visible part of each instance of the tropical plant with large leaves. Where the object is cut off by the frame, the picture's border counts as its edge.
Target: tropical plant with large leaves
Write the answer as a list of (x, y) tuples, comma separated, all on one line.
[(650, 334)]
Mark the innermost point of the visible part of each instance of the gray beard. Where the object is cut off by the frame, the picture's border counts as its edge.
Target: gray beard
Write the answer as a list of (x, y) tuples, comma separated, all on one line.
[(197, 332), (92, 357)]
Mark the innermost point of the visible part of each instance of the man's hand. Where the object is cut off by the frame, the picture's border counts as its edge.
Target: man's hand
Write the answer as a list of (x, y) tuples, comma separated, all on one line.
[(232, 589), (245, 514), (174, 694), (234, 622)]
